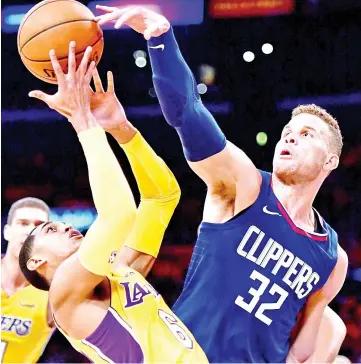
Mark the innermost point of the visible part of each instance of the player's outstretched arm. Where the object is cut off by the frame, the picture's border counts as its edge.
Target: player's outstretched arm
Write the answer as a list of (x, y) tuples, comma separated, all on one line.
[(76, 278), (307, 345), (158, 187), (209, 154)]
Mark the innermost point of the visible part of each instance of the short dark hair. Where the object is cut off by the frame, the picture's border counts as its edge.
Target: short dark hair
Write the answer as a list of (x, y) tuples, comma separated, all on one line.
[(32, 276), (31, 202)]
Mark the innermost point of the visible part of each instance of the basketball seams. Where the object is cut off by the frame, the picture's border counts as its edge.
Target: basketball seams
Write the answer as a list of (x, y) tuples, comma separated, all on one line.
[(49, 79), (60, 59), (52, 27), (27, 16)]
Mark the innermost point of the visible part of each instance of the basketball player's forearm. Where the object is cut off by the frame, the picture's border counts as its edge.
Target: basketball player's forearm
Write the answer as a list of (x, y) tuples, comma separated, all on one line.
[(112, 195), (160, 194), (153, 177), (114, 202), (181, 105)]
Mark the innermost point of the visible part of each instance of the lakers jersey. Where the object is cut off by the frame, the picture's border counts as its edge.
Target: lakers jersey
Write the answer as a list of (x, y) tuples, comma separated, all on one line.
[(24, 325), (138, 327), (249, 278)]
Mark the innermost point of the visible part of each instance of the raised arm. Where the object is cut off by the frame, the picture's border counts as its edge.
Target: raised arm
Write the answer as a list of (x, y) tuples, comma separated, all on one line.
[(158, 187), (208, 153), (77, 276), (306, 345)]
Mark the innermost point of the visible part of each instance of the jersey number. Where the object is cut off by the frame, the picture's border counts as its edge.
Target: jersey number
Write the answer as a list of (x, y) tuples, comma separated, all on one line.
[(178, 332), (257, 293), (2, 349)]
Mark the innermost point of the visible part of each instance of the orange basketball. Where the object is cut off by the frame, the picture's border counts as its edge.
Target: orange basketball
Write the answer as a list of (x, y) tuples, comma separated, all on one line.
[(53, 24)]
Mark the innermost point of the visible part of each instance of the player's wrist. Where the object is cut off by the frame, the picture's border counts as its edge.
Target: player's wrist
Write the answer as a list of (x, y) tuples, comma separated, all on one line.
[(82, 121), (123, 132)]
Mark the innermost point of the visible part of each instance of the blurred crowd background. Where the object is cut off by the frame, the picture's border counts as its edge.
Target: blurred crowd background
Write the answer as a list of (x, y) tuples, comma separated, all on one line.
[(253, 61)]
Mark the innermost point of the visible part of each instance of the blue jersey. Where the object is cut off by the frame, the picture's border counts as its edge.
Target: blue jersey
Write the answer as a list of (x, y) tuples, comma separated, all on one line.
[(250, 277)]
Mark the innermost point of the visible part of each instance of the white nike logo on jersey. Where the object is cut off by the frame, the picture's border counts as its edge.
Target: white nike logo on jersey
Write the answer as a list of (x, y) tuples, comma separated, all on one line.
[(160, 46), (270, 212)]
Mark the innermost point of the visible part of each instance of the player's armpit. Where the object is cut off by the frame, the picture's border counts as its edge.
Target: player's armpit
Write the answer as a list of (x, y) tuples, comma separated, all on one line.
[(231, 168), (304, 345)]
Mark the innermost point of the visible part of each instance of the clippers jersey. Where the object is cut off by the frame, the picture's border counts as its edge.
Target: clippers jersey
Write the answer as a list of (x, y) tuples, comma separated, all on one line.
[(138, 327), (24, 325), (249, 278)]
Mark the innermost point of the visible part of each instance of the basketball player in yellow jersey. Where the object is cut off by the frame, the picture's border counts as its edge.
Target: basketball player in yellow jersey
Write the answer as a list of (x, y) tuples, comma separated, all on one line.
[(108, 311), (26, 321)]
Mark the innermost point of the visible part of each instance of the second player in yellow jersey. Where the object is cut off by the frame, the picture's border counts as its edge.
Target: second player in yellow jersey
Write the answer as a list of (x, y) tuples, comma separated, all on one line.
[(24, 325)]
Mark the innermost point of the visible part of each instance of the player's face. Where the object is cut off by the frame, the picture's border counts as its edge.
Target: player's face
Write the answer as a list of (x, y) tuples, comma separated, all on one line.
[(303, 150), (55, 242), (24, 221)]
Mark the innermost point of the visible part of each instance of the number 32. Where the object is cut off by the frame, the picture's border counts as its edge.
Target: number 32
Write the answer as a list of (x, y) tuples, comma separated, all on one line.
[(257, 293)]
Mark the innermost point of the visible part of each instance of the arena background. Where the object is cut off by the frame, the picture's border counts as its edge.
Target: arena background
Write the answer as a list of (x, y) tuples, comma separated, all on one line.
[(316, 58)]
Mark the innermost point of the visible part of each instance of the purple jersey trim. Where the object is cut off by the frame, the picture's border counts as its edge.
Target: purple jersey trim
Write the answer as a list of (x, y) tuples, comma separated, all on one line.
[(114, 341)]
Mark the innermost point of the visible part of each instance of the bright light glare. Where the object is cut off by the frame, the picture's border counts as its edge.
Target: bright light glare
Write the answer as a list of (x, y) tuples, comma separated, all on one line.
[(248, 56)]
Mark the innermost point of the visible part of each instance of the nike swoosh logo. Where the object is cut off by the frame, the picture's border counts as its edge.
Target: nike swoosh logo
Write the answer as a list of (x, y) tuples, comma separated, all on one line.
[(160, 46), (270, 212)]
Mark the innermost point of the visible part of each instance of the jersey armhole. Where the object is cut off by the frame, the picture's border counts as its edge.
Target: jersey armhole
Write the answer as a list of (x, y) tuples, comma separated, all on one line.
[(265, 185)]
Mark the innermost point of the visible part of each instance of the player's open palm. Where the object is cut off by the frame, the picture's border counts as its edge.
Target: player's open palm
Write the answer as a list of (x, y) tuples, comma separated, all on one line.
[(105, 106), (141, 19), (72, 99)]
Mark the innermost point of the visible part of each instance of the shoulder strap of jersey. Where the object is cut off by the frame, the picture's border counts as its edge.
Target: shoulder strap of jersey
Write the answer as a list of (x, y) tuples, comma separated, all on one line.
[(266, 185)]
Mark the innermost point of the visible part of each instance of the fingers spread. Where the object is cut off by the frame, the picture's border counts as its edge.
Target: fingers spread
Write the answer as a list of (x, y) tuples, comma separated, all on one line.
[(89, 74), (97, 81), (104, 19), (57, 68), (84, 63), (110, 81), (71, 59), (108, 9), (125, 16), (37, 94)]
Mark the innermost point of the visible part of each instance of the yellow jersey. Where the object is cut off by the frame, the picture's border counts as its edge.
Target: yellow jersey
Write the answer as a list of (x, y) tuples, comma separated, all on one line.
[(138, 327), (24, 325)]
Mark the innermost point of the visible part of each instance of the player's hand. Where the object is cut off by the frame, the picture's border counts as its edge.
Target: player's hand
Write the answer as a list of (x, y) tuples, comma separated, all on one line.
[(105, 106), (141, 19), (72, 99)]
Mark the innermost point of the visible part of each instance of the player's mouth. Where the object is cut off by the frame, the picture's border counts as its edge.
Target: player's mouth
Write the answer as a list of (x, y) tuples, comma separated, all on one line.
[(285, 154), (75, 234)]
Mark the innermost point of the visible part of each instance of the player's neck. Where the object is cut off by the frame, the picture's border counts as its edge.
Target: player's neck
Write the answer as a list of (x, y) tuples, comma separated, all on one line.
[(297, 200), (12, 278)]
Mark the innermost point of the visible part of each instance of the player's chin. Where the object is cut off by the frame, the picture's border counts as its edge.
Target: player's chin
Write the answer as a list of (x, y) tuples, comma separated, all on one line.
[(75, 242)]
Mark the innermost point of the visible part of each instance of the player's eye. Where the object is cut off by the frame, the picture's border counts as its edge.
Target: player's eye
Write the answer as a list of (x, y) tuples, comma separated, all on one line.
[(51, 228), (307, 134)]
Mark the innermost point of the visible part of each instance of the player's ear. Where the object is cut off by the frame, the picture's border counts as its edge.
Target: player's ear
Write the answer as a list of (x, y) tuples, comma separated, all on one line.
[(7, 232), (33, 263), (331, 162)]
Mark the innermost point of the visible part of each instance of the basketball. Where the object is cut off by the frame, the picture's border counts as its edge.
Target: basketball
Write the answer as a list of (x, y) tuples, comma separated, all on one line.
[(53, 24)]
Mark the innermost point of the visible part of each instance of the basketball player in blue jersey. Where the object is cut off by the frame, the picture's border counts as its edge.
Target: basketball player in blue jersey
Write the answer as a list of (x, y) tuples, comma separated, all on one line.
[(99, 297), (264, 254)]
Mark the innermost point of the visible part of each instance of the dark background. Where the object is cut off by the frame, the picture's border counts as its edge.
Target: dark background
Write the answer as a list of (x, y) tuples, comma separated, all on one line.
[(316, 58)]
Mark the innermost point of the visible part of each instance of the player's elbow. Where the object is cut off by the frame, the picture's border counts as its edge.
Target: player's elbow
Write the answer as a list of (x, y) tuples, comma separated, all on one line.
[(171, 200)]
